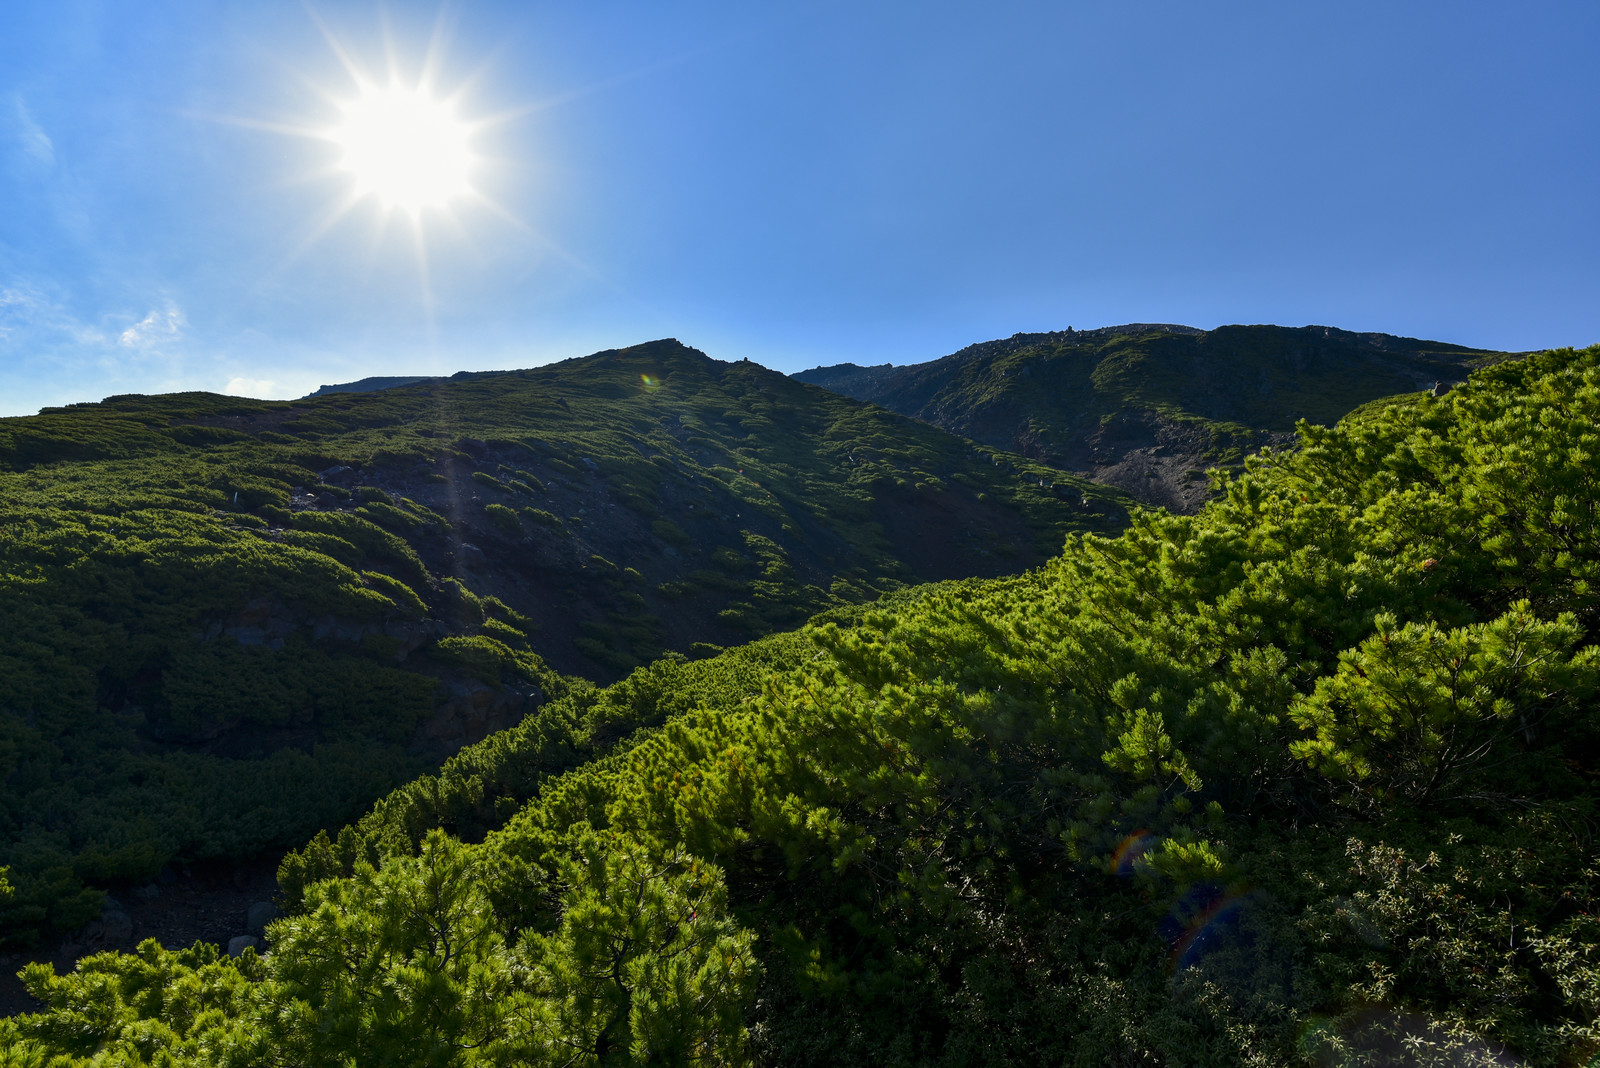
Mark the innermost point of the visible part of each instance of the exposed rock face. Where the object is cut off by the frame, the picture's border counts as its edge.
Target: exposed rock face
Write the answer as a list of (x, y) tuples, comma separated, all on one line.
[(1157, 460)]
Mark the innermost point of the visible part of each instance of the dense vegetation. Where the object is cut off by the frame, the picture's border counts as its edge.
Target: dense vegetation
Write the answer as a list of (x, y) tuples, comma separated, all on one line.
[(229, 623), (1308, 778), (1149, 408)]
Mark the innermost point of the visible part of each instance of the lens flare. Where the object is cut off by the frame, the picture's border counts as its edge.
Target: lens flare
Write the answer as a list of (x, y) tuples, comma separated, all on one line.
[(1207, 917), (1129, 852)]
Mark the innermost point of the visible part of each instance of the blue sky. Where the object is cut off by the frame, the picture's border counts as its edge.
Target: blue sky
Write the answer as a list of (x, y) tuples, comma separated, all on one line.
[(799, 184)]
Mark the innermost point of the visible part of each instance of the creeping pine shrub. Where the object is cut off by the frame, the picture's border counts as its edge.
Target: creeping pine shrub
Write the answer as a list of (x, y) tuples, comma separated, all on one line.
[(1412, 709), (398, 592), (487, 658), (504, 518), (541, 517), (489, 480), (1308, 778)]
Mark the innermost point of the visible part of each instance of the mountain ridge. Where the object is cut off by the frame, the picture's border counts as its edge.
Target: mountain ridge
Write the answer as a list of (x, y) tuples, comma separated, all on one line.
[(1148, 407)]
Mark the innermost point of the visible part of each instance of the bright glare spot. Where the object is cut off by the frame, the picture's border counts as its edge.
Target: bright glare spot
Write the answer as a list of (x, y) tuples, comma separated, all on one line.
[(405, 147)]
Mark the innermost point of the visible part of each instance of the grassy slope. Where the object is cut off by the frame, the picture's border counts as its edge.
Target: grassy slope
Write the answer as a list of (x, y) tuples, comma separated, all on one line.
[(210, 651), (1308, 778)]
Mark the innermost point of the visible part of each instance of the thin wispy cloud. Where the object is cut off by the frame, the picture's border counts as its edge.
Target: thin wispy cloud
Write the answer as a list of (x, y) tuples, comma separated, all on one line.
[(29, 314), (87, 355), (14, 305), (34, 142), (160, 327)]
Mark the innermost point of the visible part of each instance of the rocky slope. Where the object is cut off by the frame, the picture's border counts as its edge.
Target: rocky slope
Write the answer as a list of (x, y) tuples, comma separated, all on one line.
[(1149, 407)]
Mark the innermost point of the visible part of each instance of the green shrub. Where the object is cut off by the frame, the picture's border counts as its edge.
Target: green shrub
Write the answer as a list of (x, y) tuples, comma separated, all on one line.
[(489, 480), (398, 592), (389, 517), (540, 516), (671, 533), (489, 659), (530, 480), (504, 518), (460, 603)]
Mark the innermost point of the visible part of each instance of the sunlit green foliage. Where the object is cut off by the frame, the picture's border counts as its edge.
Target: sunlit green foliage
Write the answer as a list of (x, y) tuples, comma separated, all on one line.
[(1309, 778), (1411, 709)]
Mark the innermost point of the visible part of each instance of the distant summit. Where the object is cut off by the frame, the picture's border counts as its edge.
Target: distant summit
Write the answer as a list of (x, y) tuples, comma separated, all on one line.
[(1148, 407), (1019, 341), (370, 385), (854, 380), (380, 382)]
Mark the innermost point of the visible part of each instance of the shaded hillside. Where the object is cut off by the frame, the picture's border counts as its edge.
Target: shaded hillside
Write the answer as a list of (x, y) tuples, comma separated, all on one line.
[(1148, 408), (231, 622), (1310, 778)]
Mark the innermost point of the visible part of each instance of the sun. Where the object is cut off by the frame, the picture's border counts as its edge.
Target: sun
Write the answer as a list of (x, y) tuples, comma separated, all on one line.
[(411, 147), (405, 147)]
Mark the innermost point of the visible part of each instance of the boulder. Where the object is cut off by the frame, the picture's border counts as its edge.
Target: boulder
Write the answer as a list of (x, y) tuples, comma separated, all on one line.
[(258, 915), (239, 943)]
